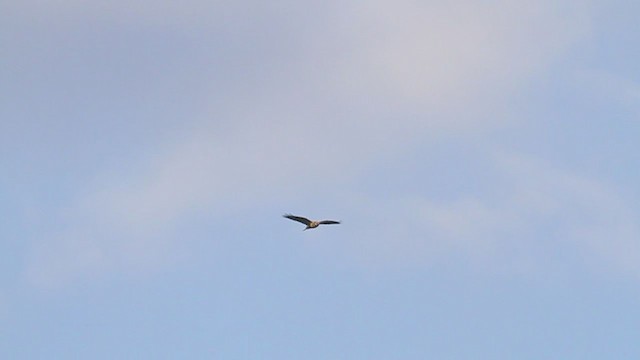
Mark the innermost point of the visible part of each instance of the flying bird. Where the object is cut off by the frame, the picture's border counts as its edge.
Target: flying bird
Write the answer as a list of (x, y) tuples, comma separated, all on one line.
[(311, 224)]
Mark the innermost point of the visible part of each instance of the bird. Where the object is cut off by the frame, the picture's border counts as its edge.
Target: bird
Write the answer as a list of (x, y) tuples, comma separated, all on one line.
[(311, 224)]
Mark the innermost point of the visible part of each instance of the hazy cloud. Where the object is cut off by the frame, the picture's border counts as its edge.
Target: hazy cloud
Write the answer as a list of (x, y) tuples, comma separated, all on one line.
[(346, 112), (355, 82), (609, 86), (433, 54), (543, 219)]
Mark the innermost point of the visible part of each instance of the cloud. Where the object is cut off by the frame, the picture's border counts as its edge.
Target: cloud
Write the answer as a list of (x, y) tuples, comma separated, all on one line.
[(612, 87), (432, 53), (543, 220), (377, 78), (353, 83)]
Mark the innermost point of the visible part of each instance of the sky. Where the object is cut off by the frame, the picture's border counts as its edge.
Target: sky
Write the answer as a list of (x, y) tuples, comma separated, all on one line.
[(482, 156)]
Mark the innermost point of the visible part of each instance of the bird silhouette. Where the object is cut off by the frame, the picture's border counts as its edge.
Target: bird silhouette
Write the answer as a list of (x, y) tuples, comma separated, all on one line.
[(311, 224)]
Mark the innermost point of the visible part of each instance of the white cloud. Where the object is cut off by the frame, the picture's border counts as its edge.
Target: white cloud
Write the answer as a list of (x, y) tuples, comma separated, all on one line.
[(433, 54), (544, 220), (366, 84), (363, 80)]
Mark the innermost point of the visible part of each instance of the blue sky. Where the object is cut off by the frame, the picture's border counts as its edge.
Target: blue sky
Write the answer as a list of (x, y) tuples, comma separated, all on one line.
[(482, 156)]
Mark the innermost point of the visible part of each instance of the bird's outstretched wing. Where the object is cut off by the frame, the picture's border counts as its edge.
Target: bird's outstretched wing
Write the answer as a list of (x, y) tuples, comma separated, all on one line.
[(329, 222), (298, 219)]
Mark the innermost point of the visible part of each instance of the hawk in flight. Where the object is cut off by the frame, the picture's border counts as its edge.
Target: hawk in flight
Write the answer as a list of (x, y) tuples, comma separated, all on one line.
[(311, 224)]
